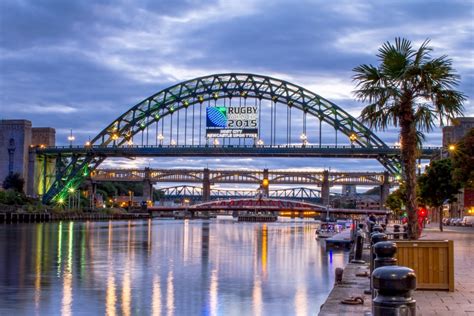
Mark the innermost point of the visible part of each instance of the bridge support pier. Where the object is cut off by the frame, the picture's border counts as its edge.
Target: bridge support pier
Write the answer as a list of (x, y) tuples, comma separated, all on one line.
[(147, 186), (206, 186), (325, 188), (384, 190)]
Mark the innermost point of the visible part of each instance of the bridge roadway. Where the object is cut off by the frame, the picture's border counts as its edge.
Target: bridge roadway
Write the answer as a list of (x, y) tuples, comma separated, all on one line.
[(230, 150)]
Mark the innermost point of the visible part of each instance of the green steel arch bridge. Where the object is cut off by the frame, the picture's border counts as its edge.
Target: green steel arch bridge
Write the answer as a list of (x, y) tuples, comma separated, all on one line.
[(287, 121)]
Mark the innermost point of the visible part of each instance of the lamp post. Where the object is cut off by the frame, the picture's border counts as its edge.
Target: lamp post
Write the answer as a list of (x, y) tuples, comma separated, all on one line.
[(304, 139), (71, 198), (160, 139), (216, 142), (260, 142), (71, 138)]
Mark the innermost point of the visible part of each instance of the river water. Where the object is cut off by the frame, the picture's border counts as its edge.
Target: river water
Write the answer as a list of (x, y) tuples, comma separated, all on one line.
[(164, 267)]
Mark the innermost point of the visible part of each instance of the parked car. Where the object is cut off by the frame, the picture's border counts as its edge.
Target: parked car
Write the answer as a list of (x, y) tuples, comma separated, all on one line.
[(457, 222), (468, 221), (452, 221)]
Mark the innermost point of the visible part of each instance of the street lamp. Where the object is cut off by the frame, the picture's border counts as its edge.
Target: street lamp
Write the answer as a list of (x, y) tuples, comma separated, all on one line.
[(71, 138), (452, 147), (260, 142), (216, 142), (173, 142), (304, 139), (161, 138)]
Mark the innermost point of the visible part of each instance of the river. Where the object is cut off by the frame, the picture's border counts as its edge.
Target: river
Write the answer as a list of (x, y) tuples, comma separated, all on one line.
[(164, 267)]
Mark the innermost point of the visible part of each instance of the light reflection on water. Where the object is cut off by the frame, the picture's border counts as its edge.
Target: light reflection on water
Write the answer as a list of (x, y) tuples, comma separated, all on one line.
[(164, 267)]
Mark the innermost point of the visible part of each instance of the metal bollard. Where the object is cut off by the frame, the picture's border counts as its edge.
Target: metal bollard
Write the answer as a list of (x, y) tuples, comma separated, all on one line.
[(385, 254), (375, 237), (396, 230), (370, 225), (377, 228), (359, 245), (394, 285), (338, 275)]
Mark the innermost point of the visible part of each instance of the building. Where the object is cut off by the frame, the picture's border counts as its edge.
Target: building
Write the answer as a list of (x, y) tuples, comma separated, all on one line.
[(451, 135), (17, 141), (460, 126)]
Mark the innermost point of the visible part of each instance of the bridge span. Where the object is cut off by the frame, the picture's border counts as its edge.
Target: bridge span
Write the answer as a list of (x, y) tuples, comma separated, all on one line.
[(202, 117), (265, 205), (264, 178)]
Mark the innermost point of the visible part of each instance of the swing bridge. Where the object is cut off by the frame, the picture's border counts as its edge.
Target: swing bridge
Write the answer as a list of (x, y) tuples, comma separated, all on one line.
[(220, 115)]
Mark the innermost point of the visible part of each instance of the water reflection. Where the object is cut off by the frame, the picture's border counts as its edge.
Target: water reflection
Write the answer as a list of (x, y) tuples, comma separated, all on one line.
[(164, 267)]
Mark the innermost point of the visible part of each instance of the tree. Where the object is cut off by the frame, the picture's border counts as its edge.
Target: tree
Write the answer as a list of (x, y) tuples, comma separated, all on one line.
[(395, 201), (463, 160), (14, 181), (437, 186), (409, 89)]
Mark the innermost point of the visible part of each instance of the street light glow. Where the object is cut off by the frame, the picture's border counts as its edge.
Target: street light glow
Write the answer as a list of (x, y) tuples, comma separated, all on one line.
[(452, 147)]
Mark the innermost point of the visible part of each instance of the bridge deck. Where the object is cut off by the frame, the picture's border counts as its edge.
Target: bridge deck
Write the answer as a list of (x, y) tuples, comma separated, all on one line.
[(240, 151)]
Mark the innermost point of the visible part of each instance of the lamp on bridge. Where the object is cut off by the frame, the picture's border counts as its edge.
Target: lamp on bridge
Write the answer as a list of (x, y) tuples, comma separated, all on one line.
[(353, 138), (216, 142), (161, 138), (260, 142), (173, 142), (304, 139), (71, 138)]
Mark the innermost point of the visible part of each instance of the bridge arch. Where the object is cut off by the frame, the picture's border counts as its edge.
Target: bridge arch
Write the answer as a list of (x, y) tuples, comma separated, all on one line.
[(192, 94)]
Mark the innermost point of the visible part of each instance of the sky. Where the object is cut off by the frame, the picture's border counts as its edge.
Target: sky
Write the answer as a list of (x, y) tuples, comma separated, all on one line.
[(80, 64)]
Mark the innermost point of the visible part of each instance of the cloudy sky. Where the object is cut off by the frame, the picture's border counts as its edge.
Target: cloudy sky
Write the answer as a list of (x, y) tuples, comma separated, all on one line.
[(80, 64)]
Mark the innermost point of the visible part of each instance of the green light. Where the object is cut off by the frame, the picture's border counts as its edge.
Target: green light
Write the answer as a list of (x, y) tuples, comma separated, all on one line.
[(157, 116), (171, 109), (186, 103), (60, 234)]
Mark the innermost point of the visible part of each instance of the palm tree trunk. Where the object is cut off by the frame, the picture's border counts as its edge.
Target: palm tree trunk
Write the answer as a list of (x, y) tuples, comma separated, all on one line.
[(409, 155), (440, 212)]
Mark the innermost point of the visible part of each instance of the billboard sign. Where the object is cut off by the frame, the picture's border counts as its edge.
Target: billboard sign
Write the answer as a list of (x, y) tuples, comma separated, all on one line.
[(232, 121)]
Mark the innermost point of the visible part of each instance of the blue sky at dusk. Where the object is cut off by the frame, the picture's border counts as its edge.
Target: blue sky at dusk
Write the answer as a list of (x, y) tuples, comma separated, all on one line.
[(80, 64)]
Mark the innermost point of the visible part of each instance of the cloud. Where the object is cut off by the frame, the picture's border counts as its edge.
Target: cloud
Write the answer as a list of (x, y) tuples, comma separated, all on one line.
[(80, 65)]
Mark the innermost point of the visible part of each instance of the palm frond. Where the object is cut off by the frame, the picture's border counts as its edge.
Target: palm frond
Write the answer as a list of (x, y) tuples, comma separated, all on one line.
[(424, 118)]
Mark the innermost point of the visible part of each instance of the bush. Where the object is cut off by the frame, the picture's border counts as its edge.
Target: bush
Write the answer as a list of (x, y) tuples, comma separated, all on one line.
[(11, 197)]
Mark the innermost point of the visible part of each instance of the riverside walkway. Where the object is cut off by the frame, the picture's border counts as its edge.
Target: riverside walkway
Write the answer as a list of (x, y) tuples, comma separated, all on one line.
[(459, 302)]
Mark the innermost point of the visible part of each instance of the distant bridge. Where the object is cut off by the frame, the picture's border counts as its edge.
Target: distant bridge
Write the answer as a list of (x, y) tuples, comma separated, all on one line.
[(194, 193), (264, 178)]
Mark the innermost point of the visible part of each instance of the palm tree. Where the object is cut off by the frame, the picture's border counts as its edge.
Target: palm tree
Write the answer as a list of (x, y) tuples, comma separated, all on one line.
[(414, 91)]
